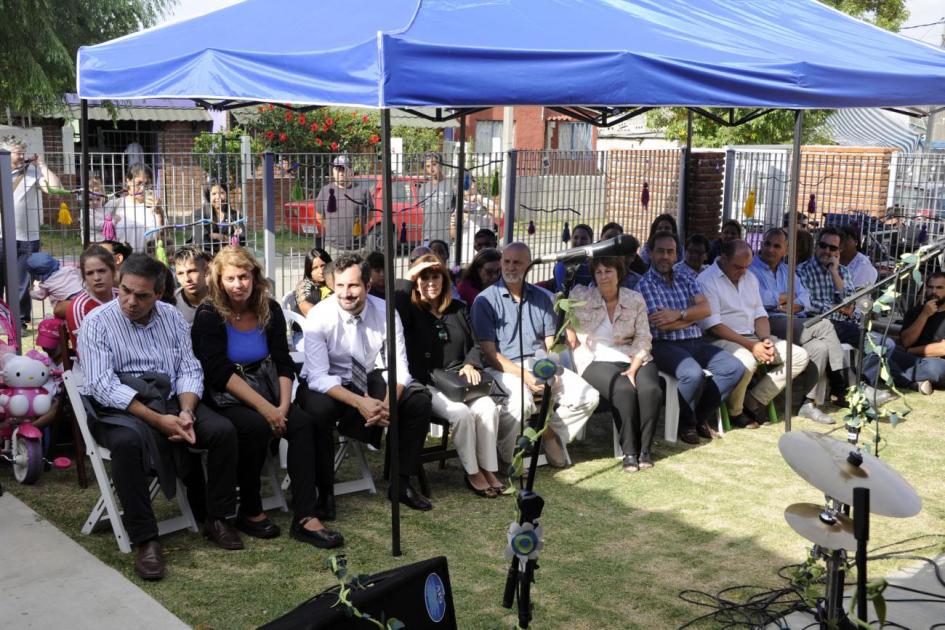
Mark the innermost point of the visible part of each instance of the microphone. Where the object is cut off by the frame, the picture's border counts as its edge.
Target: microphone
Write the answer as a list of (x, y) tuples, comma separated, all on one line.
[(617, 246)]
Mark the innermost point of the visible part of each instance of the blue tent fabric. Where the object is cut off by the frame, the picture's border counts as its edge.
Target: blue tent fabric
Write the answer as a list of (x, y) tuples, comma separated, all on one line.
[(391, 53)]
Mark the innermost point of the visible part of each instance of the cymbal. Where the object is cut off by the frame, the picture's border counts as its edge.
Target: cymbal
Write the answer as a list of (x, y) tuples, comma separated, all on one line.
[(804, 518), (822, 461)]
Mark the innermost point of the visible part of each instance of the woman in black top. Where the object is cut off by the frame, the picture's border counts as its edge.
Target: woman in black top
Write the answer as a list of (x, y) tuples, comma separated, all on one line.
[(220, 231), (438, 334), (237, 330)]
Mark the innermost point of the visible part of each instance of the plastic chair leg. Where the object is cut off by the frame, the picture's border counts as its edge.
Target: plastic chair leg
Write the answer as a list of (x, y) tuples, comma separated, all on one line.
[(726, 419)]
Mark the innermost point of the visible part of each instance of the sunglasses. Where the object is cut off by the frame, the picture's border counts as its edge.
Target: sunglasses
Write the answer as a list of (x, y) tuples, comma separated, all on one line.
[(441, 333), (828, 247)]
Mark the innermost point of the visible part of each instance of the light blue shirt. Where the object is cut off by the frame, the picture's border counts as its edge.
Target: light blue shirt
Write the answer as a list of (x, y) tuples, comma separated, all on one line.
[(495, 318), (773, 284)]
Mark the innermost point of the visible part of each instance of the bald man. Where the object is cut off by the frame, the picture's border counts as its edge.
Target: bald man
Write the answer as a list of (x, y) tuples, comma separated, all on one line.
[(739, 324), (495, 322)]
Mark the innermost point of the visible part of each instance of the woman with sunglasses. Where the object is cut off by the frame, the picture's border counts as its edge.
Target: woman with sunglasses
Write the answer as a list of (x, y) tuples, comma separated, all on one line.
[(439, 335)]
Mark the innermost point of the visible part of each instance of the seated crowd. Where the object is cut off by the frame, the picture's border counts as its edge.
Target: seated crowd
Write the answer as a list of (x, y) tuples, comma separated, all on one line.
[(208, 365)]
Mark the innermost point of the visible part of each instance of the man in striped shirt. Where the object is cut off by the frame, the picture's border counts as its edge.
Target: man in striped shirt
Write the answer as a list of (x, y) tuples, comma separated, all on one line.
[(145, 385), (675, 303)]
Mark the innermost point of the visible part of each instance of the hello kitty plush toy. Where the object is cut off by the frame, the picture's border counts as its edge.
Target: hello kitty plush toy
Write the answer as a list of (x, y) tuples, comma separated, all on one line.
[(22, 394)]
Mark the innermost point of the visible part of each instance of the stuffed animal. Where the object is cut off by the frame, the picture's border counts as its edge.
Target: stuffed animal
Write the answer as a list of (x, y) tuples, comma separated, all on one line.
[(22, 394)]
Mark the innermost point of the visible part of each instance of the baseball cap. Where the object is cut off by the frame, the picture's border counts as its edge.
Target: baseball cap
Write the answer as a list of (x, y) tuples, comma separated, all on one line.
[(47, 335)]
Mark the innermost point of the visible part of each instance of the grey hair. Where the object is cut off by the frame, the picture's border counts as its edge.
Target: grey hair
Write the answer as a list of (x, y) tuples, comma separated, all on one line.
[(10, 143)]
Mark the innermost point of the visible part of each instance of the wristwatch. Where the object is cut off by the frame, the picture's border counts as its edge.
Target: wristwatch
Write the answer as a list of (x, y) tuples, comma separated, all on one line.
[(193, 414)]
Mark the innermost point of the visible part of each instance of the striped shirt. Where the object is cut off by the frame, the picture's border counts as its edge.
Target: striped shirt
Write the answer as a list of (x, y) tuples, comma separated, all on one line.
[(111, 344), (677, 295), (823, 293), (79, 308)]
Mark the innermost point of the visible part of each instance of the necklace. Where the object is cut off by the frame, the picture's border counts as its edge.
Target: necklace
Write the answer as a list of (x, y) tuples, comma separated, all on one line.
[(239, 316)]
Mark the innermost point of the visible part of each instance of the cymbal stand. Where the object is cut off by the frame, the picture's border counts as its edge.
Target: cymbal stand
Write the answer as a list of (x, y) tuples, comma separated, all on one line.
[(830, 612)]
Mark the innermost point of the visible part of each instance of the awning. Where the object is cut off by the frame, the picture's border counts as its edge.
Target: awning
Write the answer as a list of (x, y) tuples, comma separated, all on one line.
[(874, 128), (162, 110)]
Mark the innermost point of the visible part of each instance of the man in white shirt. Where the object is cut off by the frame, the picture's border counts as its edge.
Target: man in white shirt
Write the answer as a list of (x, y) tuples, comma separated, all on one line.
[(345, 378), (739, 323), (30, 177), (861, 268)]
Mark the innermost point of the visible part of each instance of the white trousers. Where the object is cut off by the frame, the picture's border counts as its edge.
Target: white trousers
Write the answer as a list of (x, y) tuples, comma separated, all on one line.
[(575, 398), (475, 428)]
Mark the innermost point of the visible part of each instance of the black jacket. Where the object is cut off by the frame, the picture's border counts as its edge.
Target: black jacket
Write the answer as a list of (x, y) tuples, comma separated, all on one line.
[(425, 350), (209, 338)]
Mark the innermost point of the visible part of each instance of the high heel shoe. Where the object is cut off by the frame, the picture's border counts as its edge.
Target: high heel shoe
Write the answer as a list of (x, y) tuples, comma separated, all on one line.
[(486, 493)]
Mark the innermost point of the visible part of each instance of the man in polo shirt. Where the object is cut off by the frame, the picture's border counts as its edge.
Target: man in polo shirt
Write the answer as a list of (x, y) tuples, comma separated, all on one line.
[(829, 284), (191, 266), (675, 303), (923, 337), (495, 322), (739, 323), (341, 203)]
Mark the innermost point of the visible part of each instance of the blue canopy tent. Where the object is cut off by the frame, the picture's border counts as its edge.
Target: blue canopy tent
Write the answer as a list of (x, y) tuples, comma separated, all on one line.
[(599, 60)]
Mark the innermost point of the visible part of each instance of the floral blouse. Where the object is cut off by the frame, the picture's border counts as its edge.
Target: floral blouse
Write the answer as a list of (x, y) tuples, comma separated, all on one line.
[(631, 327)]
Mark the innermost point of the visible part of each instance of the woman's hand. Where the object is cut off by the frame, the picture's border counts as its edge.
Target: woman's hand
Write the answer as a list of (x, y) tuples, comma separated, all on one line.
[(276, 419), (472, 374), (631, 373)]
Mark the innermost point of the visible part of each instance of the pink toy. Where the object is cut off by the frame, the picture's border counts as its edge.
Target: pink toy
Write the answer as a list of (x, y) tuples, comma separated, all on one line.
[(108, 228)]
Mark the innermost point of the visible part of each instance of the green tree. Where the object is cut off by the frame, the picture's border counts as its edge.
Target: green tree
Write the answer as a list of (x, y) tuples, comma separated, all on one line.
[(776, 127), (40, 39)]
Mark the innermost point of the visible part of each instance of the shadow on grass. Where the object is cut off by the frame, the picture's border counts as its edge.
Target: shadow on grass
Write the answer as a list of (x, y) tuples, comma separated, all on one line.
[(618, 547)]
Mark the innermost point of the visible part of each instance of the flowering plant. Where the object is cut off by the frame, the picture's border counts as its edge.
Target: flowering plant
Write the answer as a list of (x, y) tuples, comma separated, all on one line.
[(324, 130)]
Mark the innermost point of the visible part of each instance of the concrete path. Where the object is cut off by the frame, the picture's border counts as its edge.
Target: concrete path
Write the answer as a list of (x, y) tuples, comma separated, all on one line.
[(47, 581)]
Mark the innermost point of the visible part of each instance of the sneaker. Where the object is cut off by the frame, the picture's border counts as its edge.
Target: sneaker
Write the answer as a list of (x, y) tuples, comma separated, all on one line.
[(925, 387), (811, 412)]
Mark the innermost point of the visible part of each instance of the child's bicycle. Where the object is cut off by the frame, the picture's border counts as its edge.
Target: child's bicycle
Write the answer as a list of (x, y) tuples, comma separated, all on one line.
[(22, 399)]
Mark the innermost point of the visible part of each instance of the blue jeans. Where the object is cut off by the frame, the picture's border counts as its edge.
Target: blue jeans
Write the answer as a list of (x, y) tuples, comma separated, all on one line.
[(685, 360), (23, 251), (849, 332), (908, 369)]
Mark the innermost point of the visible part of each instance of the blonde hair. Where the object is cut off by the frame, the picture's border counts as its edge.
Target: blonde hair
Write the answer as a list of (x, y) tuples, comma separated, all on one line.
[(431, 262), (240, 258)]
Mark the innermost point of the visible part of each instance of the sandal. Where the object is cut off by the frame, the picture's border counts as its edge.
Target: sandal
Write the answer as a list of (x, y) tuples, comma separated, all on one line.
[(485, 493)]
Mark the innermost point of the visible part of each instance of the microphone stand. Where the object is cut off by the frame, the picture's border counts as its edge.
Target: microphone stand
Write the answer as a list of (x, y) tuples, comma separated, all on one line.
[(521, 572)]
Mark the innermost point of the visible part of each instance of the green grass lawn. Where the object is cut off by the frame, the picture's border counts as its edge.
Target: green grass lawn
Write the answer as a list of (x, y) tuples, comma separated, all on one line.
[(618, 547)]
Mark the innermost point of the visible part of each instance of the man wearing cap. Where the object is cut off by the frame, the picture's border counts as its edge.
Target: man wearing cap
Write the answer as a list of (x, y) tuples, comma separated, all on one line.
[(345, 205), (438, 198)]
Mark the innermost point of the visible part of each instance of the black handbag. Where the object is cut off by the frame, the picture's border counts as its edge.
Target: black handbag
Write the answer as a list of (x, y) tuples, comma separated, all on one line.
[(261, 376), (455, 386)]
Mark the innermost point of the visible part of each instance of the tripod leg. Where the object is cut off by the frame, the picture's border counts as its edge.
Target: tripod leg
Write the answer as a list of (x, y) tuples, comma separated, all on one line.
[(511, 582)]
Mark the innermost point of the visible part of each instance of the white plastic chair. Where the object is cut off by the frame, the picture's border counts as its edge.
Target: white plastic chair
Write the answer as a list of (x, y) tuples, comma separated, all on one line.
[(347, 447), (106, 508), (671, 407)]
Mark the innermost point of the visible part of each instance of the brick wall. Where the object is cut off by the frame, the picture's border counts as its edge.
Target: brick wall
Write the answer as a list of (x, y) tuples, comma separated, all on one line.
[(705, 177), (845, 179), (627, 171)]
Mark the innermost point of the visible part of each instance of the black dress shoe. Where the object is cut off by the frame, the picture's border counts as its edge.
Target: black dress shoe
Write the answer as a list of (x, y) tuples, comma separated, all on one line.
[(689, 436), (149, 561), (257, 529), (222, 534), (323, 538), (325, 509), (411, 498)]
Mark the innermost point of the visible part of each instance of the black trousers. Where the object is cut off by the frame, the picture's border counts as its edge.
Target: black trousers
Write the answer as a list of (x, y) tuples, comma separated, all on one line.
[(214, 433), (634, 408), (413, 416), (253, 437), (310, 458)]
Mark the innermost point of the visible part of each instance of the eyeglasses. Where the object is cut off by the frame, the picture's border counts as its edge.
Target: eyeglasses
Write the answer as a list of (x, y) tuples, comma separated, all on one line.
[(828, 247), (441, 332)]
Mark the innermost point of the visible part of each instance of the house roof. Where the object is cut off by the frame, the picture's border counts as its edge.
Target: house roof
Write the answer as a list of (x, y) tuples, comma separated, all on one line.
[(151, 109)]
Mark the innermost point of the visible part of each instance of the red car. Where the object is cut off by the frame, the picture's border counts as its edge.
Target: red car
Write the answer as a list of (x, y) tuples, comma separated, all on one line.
[(301, 217)]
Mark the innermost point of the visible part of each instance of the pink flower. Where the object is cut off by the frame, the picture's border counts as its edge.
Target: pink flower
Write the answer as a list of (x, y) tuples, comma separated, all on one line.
[(289, 117), (301, 119), (283, 137), (365, 118), (334, 146), (375, 139), (314, 128), (270, 134)]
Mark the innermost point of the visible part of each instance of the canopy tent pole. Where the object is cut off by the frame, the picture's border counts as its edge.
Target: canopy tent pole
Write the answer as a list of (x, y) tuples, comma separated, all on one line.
[(84, 176), (393, 431), (792, 261), (460, 190), (8, 232), (684, 180)]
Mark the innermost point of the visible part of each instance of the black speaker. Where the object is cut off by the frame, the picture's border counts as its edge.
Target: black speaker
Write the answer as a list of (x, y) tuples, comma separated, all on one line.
[(417, 594)]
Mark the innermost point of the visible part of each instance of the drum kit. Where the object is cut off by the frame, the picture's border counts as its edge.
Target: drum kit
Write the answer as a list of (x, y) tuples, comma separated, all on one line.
[(848, 477)]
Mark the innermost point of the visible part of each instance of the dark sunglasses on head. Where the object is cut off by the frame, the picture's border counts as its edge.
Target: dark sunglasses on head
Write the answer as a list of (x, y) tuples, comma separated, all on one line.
[(828, 247)]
